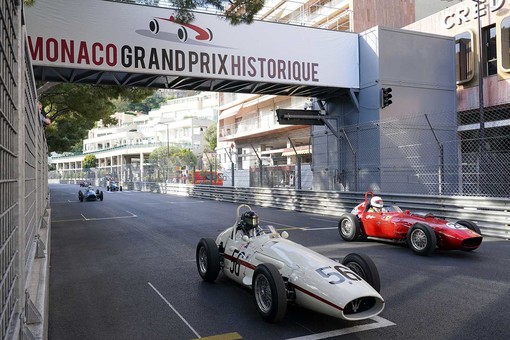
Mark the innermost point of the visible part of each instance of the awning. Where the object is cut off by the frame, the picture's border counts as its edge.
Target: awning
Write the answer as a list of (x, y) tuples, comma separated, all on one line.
[(301, 150), (231, 111)]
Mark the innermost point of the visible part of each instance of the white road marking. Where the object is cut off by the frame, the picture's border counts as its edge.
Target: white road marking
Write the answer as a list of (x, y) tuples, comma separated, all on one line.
[(287, 227), (175, 202), (175, 310), (379, 323), (109, 218), (96, 218), (325, 228), (322, 219)]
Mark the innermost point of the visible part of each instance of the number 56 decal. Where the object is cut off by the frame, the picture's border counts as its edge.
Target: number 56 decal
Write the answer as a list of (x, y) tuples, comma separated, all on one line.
[(337, 274), (235, 266)]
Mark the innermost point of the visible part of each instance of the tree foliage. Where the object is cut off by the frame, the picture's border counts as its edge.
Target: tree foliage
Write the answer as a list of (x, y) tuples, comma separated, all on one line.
[(150, 103), (211, 138), (167, 160), (235, 11), (74, 108), (89, 161)]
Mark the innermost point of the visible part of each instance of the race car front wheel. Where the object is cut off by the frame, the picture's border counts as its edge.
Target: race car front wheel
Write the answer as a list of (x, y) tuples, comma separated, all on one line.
[(269, 292), (470, 225), (363, 265), (208, 259), (421, 239), (349, 227)]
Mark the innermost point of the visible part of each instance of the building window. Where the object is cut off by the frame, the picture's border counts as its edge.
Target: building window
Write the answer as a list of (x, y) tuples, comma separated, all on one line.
[(505, 44), (490, 59), (464, 57)]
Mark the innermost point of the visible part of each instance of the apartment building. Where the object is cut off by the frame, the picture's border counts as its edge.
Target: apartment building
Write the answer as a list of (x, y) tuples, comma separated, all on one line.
[(122, 150), (481, 30)]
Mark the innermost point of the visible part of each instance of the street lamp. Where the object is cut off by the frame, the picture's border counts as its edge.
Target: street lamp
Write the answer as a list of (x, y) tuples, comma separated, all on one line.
[(167, 149), (167, 139)]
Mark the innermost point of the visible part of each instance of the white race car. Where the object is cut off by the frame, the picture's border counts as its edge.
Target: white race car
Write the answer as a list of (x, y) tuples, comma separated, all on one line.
[(280, 271)]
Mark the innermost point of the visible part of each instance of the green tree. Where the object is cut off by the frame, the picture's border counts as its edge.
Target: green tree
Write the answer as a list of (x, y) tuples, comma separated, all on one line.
[(166, 160), (74, 108), (211, 138), (150, 103), (235, 11), (89, 161)]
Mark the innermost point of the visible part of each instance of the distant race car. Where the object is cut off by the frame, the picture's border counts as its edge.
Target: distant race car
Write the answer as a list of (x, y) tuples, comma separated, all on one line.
[(423, 233), (90, 195), (280, 271), (113, 186), (84, 184)]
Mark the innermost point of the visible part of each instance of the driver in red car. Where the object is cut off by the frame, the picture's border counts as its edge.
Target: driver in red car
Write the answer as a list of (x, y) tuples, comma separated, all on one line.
[(376, 204)]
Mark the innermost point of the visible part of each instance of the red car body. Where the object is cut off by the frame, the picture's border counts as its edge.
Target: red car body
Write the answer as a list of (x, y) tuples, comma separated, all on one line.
[(423, 233)]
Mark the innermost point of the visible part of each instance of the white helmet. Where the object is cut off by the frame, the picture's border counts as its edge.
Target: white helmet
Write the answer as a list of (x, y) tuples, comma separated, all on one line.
[(376, 202)]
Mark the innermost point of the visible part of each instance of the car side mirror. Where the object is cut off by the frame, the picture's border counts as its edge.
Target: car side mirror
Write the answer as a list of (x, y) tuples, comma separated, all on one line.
[(246, 238), (285, 234), (407, 212)]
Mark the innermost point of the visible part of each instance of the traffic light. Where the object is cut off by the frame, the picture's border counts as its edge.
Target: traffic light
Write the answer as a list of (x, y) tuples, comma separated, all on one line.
[(386, 97)]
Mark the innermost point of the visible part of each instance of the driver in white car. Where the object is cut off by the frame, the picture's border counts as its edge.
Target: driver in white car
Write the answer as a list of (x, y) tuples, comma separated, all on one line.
[(249, 224)]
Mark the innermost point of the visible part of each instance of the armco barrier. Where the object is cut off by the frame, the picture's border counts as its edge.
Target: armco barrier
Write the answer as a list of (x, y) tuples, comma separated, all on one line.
[(491, 214)]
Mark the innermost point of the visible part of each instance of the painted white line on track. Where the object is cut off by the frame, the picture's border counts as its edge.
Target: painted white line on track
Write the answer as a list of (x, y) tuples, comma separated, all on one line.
[(175, 310), (96, 218), (379, 323), (174, 202), (325, 228), (70, 220), (322, 219), (110, 218), (286, 226)]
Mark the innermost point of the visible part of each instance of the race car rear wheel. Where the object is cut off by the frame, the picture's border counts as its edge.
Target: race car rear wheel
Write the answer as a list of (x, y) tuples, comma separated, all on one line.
[(421, 239), (100, 196), (208, 259), (349, 227), (363, 265), (269, 292), (80, 196), (470, 225)]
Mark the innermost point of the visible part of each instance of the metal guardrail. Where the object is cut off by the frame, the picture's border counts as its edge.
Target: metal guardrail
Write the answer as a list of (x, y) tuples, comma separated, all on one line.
[(492, 215)]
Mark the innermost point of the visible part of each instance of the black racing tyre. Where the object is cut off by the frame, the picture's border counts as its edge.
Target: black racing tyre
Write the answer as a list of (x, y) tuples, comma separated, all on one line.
[(208, 259), (470, 225), (120, 188), (349, 227), (80, 196), (363, 265), (100, 196), (421, 239), (269, 292), (107, 188)]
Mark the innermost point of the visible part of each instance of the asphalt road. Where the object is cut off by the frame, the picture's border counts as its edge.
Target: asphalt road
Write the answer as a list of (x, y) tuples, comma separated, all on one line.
[(125, 268)]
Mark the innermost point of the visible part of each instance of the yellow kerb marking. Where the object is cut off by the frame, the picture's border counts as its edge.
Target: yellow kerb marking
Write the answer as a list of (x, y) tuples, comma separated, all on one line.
[(226, 336)]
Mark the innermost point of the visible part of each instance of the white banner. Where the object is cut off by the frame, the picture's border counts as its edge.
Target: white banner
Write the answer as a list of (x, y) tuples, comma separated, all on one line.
[(112, 36)]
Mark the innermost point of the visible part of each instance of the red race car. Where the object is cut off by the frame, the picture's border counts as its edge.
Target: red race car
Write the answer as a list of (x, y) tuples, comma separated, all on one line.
[(422, 232)]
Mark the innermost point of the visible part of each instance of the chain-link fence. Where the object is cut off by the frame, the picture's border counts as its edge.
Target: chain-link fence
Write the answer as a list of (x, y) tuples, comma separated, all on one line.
[(24, 206), (426, 154)]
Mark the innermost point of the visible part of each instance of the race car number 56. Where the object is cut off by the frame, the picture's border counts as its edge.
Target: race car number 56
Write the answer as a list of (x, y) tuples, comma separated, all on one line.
[(337, 274)]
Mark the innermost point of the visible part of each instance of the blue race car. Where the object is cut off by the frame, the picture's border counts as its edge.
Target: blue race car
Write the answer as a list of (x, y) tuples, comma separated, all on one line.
[(113, 186), (90, 195)]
